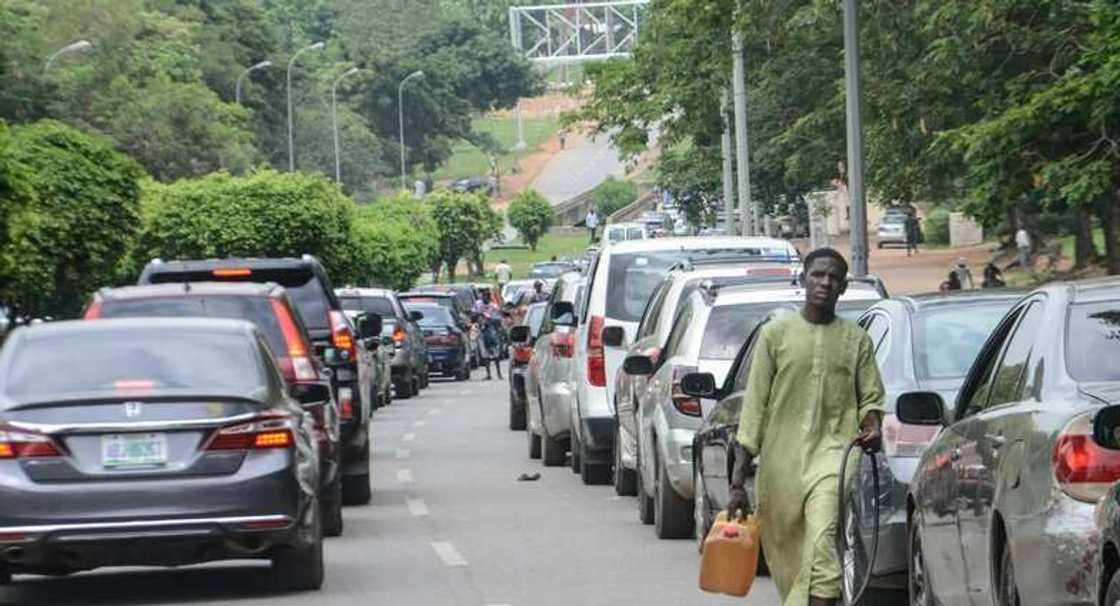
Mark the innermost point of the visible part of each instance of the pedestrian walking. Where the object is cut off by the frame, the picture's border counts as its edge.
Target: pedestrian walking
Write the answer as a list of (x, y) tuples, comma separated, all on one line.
[(993, 277), (487, 317), (1023, 243), (911, 234), (563, 139), (504, 273), (963, 273), (540, 295), (813, 386), (592, 222)]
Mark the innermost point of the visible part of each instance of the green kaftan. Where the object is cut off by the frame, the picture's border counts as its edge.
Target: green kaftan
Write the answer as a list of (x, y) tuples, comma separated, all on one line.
[(809, 387)]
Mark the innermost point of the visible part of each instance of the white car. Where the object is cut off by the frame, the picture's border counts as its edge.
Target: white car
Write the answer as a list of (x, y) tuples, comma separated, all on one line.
[(620, 282)]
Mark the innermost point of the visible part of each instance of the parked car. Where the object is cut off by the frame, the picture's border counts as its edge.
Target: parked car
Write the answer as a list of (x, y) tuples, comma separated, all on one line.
[(117, 449), (550, 270), (448, 342), (550, 381), (514, 287), (706, 335), (922, 343), (459, 302), (620, 281), (652, 332), (480, 185), (408, 358), (892, 230), (269, 308), (622, 232), (522, 336), (1003, 500), (332, 336)]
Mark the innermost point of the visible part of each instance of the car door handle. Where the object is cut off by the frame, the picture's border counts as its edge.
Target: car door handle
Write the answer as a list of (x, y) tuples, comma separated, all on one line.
[(996, 440)]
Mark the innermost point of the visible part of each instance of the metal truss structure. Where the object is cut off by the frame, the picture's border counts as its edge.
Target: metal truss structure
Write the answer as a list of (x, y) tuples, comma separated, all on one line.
[(577, 32)]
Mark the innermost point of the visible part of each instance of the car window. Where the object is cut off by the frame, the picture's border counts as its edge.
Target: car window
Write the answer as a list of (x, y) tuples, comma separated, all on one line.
[(634, 233), (435, 316), (535, 319), (382, 306), (978, 386), (616, 235), (1096, 328), (680, 328), (946, 340), (729, 326), (257, 310), (1007, 385), (743, 372), (652, 313), (120, 362), (878, 328), (631, 279), (311, 301)]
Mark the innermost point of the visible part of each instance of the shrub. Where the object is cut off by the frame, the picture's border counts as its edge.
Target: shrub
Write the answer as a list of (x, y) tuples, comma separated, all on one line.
[(396, 240), (613, 194), (937, 227), (531, 215)]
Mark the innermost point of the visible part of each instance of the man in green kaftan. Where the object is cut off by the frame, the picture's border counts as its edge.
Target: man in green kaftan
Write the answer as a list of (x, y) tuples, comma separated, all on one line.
[(813, 387)]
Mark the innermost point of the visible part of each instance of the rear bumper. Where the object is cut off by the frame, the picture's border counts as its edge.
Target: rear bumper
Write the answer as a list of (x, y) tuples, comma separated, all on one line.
[(446, 358)]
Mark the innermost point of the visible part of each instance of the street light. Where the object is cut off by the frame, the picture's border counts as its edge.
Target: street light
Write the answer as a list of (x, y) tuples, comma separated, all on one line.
[(291, 140), (334, 121), (79, 46), (400, 116), (245, 74)]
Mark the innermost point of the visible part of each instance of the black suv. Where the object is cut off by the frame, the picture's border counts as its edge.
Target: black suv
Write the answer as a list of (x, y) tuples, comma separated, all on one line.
[(332, 336)]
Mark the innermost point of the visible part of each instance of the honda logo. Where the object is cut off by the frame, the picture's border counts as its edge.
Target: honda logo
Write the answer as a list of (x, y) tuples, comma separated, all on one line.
[(132, 409)]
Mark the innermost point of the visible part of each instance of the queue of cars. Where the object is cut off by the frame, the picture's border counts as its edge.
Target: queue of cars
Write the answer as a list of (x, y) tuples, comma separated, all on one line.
[(1001, 433), (249, 383)]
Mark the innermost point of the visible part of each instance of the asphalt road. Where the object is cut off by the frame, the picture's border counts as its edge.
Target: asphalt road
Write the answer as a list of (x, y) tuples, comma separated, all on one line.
[(584, 163), (449, 525)]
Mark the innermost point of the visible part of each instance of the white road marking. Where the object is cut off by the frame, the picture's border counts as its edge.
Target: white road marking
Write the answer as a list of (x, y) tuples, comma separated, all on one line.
[(420, 423), (448, 554), (404, 475), (403, 453), (417, 507), (408, 437)]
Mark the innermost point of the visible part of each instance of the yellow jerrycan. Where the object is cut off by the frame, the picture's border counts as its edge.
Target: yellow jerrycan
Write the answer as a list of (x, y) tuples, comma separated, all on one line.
[(731, 556)]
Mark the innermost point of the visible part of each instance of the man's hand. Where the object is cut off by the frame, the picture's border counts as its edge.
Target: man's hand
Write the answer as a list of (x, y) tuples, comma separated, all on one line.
[(739, 503), (740, 471), (871, 432)]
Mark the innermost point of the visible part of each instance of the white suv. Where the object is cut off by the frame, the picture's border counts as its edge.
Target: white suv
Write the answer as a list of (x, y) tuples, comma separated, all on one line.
[(620, 282)]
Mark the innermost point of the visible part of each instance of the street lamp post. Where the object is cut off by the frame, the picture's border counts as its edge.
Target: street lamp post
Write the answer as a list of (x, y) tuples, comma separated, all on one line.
[(855, 139), (334, 122), (400, 117), (291, 140), (79, 46), (245, 74)]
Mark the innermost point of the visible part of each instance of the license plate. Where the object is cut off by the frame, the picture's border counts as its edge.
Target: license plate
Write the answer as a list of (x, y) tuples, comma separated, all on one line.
[(133, 449)]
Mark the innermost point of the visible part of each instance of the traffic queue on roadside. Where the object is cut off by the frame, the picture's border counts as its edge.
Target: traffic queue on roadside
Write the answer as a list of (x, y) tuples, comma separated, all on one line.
[(997, 480), (249, 383)]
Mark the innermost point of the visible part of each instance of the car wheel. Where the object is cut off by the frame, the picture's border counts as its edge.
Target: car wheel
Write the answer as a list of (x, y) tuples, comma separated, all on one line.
[(672, 515), (301, 568), (534, 445), (517, 418), (853, 559), (415, 385), (575, 460), (645, 502), (921, 594), (1112, 596), (554, 452), (356, 490), (425, 377), (332, 509), (404, 388), (1008, 590), (625, 480), (702, 516)]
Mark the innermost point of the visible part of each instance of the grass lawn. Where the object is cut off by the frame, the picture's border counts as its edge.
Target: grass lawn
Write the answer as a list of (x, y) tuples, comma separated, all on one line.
[(469, 161), (1069, 241), (521, 260)]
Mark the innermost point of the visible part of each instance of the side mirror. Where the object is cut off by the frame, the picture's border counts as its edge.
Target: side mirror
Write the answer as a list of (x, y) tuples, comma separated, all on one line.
[(637, 365), (699, 384), (369, 325), (519, 335), (310, 393), (614, 336), (415, 316), (563, 313), (1106, 428), (921, 408)]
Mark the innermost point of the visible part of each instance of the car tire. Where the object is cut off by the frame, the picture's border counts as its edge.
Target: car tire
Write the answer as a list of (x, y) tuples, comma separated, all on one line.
[(356, 490), (592, 474), (5, 575), (672, 515), (425, 378), (920, 592), (625, 480), (1112, 594), (702, 516), (534, 445), (301, 568), (404, 388), (332, 509), (554, 451), (576, 459), (415, 385), (1007, 592), (517, 418), (645, 502)]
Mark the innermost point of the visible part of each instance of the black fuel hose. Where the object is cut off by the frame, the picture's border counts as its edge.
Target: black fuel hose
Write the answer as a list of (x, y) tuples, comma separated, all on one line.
[(841, 536)]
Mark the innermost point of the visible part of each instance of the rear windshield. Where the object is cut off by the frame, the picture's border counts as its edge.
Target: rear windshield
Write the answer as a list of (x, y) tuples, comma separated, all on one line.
[(632, 278), (409, 303), (122, 364), (1096, 327), (306, 291), (729, 326), (257, 310), (946, 341), (381, 306), (634, 233), (435, 316)]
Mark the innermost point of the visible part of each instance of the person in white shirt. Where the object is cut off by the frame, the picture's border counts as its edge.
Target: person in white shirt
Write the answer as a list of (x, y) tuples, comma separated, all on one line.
[(504, 273), (592, 222), (1023, 243)]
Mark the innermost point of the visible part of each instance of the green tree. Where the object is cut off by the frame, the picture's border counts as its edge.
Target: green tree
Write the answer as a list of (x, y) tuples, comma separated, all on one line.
[(531, 215), (692, 177), (79, 223), (396, 240), (465, 222), (614, 194)]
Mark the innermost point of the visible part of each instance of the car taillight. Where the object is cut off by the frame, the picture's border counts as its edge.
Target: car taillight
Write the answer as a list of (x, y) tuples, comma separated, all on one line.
[(399, 335), (522, 354), (296, 366), (596, 360), (563, 345), (683, 402), (902, 440), (21, 444), (268, 431), (93, 312), (1084, 470), (341, 336), (345, 402)]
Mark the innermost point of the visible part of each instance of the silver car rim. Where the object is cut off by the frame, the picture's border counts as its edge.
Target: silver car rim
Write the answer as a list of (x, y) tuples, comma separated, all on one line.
[(700, 506), (918, 584), (848, 558)]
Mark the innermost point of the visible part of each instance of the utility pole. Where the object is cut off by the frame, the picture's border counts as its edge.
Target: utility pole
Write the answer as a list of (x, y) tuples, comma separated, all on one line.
[(728, 163), (515, 38), (742, 148), (400, 118), (855, 139)]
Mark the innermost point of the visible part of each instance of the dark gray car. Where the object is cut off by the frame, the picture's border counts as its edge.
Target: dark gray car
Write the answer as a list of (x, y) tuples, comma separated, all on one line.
[(153, 442)]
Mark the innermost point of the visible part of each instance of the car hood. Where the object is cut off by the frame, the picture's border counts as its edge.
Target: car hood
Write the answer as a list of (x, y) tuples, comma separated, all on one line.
[(1105, 391)]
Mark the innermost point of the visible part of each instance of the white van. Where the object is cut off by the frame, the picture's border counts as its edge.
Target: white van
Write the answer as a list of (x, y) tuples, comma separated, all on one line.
[(620, 281)]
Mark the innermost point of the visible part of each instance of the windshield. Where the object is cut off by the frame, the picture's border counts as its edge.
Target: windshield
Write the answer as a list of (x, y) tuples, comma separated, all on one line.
[(947, 340), (120, 364), (729, 326), (1094, 341), (257, 310)]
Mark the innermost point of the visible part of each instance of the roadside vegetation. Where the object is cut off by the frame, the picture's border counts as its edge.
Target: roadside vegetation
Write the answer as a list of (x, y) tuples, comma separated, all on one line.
[(473, 160)]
